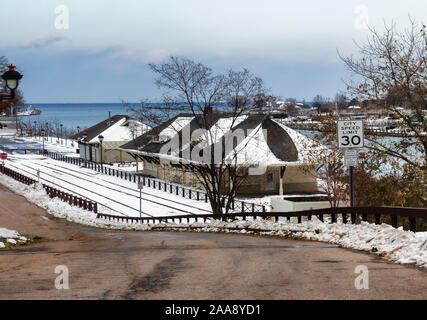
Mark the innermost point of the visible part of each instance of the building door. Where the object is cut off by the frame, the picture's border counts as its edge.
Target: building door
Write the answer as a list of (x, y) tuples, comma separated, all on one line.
[(269, 185), (90, 153)]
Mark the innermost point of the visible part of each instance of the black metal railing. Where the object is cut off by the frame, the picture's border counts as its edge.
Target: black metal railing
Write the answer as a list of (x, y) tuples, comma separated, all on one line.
[(150, 182)]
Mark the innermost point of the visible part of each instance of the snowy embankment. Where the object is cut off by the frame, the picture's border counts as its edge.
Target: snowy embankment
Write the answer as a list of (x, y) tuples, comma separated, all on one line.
[(10, 238), (393, 244), (66, 147)]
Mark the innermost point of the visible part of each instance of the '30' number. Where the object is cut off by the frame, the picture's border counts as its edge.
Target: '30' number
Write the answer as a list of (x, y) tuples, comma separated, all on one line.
[(355, 140)]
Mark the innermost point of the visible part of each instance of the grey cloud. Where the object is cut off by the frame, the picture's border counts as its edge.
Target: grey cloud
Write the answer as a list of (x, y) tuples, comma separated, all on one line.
[(43, 40)]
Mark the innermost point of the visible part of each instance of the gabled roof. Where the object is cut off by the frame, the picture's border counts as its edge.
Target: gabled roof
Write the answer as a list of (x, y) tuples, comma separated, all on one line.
[(99, 128), (148, 136), (261, 140)]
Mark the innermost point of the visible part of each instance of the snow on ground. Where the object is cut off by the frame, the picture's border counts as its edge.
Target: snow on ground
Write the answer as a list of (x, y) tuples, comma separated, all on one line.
[(65, 146), (10, 238), (6, 132), (394, 244), (129, 167), (113, 195), (117, 196), (52, 144), (264, 201), (36, 194)]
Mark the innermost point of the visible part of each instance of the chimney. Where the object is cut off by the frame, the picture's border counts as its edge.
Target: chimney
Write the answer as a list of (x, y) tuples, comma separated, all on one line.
[(207, 110), (109, 118)]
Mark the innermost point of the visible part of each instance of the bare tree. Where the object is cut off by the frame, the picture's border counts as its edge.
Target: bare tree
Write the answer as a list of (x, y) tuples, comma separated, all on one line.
[(3, 65), (209, 96), (392, 75), (326, 165), (148, 113), (318, 102), (241, 88), (340, 101)]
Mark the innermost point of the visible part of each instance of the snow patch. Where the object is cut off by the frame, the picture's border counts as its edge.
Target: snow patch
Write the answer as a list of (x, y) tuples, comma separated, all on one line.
[(10, 237)]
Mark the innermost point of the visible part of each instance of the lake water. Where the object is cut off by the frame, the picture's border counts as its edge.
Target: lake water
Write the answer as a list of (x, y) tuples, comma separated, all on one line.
[(72, 115)]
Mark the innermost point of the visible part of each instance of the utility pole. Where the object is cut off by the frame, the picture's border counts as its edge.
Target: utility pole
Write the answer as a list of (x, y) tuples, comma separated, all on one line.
[(140, 186)]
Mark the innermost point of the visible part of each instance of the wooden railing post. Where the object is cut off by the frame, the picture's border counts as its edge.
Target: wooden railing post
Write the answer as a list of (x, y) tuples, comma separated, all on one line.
[(364, 216), (394, 221), (412, 224), (377, 218)]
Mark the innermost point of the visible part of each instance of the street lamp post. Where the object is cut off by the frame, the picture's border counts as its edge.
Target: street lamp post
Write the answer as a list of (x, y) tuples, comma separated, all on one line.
[(42, 132), (84, 136), (61, 131), (47, 130), (101, 138), (12, 78)]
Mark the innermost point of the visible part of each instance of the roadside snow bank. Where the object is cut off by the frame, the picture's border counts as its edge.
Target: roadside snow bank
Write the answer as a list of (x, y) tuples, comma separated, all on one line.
[(394, 244), (37, 194)]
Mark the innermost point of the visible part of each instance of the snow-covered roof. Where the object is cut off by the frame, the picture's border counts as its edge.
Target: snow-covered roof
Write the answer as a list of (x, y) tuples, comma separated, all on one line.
[(174, 127), (248, 140), (118, 128), (253, 150), (122, 131)]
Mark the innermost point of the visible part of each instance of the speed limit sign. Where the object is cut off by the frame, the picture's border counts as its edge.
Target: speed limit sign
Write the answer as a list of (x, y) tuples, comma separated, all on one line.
[(350, 133)]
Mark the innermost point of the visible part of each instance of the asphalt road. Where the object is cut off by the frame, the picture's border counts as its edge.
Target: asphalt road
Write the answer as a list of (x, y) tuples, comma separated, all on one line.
[(107, 264)]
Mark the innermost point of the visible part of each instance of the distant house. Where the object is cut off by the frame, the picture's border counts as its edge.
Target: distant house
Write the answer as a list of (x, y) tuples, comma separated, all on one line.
[(354, 108), (117, 130), (273, 152)]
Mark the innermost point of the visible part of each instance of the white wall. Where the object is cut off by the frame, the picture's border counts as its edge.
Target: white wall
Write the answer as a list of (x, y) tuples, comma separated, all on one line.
[(279, 204)]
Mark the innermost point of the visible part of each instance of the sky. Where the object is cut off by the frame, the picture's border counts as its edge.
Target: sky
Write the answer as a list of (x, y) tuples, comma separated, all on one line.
[(74, 51)]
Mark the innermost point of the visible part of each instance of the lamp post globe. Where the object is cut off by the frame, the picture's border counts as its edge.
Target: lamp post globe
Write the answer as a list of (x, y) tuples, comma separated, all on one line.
[(12, 77)]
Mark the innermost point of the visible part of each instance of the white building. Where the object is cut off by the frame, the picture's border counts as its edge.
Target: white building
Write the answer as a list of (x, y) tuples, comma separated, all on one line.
[(117, 130)]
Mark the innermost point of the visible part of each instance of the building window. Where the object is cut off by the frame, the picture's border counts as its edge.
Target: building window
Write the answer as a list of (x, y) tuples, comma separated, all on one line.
[(270, 177)]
